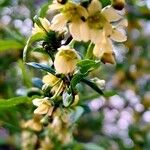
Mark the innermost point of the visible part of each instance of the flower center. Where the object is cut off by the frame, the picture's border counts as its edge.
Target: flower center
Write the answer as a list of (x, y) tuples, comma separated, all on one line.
[(97, 21), (69, 55), (70, 11)]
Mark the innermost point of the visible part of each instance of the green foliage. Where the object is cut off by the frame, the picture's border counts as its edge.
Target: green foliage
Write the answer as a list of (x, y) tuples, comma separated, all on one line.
[(76, 79), (87, 65), (7, 45), (34, 38), (105, 2), (43, 11), (92, 146), (92, 85), (14, 101)]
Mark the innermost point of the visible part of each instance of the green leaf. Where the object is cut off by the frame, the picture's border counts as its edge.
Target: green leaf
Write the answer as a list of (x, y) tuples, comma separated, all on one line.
[(87, 65), (76, 79), (26, 75), (10, 45), (105, 2), (92, 85), (40, 50), (42, 67), (43, 10), (34, 38), (92, 146), (76, 114), (14, 101), (110, 93)]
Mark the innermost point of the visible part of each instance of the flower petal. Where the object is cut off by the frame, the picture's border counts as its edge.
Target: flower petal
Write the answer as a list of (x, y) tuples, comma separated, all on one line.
[(45, 23), (82, 12), (103, 47), (84, 32), (74, 29), (96, 35), (37, 101), (58, 22), (118, 36), (94, 7), (42, 109), (122, 23), (55, 6), (111, 14), (97, 51)]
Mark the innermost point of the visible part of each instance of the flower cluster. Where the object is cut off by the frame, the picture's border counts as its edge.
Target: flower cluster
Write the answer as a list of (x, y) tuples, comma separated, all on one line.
[(71, 23), (92, 23)]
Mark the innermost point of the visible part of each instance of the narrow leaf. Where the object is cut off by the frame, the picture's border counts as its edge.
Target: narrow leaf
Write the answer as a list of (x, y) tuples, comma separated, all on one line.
[(14, 101), (110, 93), (92, 85), (76, 79), (43, 10), (87, 65), (92, 146), (42, 67), (34, 38)]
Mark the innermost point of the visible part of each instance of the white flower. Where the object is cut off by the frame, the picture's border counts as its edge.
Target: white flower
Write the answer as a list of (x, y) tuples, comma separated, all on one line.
[(100, 21), (65, 60), (73, 14), (44, 106)]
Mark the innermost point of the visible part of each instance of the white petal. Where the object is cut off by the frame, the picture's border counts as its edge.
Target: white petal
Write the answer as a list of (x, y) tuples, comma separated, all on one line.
[(96, 35), (55, 6), (118, 36), (122, 23), (58, 22), (82, 11), (42, 109), (111, 14), (108, 45), (97, 51), (108, 29), (84, 31), (104, 46), (75, 31), (37, 101), (94, 7), (45, 23)]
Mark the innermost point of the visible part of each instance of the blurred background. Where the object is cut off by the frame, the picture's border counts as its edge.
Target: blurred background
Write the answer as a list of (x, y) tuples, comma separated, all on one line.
[(119, 122)]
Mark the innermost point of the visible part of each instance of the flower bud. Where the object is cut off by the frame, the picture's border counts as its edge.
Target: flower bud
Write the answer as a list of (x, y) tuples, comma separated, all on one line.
[(62, 1), (65, 60), (118, 4)]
